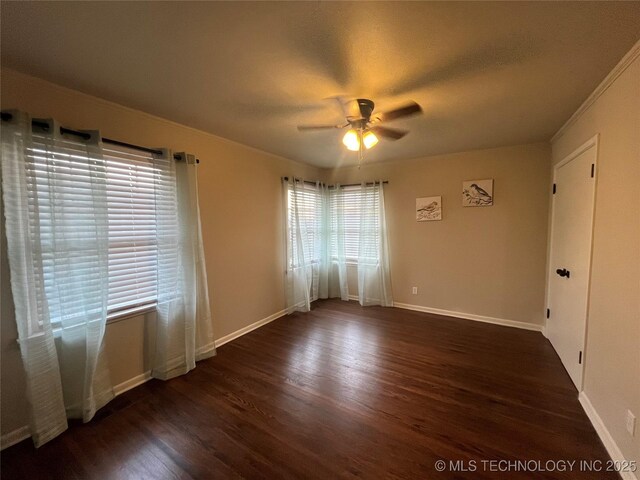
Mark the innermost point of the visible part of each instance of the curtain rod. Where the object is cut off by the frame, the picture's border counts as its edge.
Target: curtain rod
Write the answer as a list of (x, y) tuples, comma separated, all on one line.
[(358, 184), (342, 185), (6, 116)]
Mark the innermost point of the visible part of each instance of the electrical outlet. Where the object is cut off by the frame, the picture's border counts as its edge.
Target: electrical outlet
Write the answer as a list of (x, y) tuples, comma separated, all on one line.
[(631, 423), (414, 290)]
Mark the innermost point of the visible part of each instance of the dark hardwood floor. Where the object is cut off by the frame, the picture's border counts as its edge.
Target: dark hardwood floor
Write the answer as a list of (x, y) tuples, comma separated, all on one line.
[(340, 392)]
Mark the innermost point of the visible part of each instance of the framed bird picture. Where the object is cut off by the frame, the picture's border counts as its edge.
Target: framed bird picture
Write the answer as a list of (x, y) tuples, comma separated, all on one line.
[(428, 209), (477, 193)]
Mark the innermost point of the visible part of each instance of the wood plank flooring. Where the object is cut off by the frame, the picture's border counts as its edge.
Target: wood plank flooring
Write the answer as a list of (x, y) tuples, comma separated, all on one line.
[(339, 392)]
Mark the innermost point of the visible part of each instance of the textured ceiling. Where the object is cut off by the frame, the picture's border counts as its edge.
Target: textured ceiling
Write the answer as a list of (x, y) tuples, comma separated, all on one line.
[(486, 74)]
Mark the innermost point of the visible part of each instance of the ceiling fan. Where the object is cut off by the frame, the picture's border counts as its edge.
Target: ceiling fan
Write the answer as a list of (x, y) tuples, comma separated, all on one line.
[(365, 124)]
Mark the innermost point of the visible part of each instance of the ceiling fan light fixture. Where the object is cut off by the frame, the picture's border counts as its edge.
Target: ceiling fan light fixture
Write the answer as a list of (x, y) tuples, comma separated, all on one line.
[(369, 139), (351, 140), (364, 129)]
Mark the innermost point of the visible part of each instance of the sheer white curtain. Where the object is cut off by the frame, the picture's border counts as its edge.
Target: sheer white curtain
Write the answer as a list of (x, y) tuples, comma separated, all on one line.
[(197, 285), (323, 245), (183, 326), (304, 243), (337, 277), (57, 194), (374, 280), (55, 204), (322, 224)]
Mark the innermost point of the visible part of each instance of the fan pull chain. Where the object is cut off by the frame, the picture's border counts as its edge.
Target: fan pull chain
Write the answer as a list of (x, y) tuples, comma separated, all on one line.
[(360, 150)]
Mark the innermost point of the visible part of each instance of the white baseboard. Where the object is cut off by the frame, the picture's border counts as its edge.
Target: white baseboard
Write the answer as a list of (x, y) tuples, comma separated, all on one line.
[(466, 316), (206, 351), (22, 433), (602, 431), (132, 383), (9, 439), (471, 316), (238, 333)]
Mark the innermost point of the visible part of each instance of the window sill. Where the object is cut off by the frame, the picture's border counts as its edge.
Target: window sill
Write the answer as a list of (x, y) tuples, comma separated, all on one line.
[(130, 312), (111, 318)]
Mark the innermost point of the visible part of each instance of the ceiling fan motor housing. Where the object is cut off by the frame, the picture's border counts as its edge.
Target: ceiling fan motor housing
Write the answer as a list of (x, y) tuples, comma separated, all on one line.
[(360, 119), (366, 108)]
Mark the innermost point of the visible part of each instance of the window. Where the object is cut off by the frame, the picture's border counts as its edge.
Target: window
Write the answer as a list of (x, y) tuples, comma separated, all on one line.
[(133, 249), (131, 196), (357, 211), (335, 226), (308, 201), (351, 202)]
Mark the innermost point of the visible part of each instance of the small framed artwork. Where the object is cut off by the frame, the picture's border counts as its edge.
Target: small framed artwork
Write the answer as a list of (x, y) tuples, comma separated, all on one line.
[(428, 209), (477, 193)]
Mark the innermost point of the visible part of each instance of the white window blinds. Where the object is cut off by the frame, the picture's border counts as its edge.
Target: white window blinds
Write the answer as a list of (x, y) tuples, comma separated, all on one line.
[(65, 201), (304, 213), (356, 210), (133, 252), (352, 203), (131, 196)]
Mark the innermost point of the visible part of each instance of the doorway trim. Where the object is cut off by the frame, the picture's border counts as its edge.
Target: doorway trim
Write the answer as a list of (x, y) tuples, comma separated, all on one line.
[(593, 142)]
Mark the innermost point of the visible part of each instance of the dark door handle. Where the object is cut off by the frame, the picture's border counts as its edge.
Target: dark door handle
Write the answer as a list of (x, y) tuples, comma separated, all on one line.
[(563, 272)]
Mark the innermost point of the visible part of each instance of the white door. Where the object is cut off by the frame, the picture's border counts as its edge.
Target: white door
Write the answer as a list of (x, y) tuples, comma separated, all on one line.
[(570, 257)]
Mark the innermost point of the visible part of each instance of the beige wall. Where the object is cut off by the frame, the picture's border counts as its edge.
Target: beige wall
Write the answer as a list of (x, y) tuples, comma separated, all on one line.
[(241, 208), (487, 261), (612, 356)]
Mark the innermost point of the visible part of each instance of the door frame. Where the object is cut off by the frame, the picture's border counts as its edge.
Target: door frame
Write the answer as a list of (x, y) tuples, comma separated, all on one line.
[(593, 142)]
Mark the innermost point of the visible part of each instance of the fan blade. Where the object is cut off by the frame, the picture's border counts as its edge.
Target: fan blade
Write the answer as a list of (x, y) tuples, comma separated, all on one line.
[(390, 133), (351, 109), (409, 109), (319, 127), (348, 105)]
